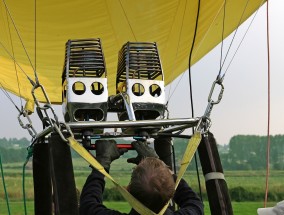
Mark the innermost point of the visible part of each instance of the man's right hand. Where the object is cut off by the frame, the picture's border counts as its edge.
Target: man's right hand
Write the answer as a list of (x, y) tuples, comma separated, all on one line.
[(143, 151), (107, 151)]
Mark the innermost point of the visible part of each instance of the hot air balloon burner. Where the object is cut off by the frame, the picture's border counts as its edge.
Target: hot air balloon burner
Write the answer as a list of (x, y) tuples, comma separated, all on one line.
[(140, 82), (84, 82)]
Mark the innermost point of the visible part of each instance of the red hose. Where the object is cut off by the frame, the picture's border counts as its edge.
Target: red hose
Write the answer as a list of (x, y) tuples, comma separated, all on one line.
[(120, 146)]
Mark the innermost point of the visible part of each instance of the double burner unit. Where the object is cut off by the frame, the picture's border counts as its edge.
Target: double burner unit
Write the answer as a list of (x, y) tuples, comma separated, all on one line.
[(140, 90)]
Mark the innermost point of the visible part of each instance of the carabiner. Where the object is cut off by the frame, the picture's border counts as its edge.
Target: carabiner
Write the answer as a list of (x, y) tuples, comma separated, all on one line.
[(212, 90)]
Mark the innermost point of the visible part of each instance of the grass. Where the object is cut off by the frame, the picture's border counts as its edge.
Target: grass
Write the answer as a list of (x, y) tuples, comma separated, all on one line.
[(121, 171), (239, 208), (16, 207)]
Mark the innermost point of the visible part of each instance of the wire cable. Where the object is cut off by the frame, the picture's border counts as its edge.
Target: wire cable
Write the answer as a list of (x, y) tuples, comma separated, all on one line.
[(14, 59), (179, 80), (235, 33), (230, 46), (128, 21), (15, 67), (222, 38), (20, 38), (179, 38), (242, 39), (9, 97)]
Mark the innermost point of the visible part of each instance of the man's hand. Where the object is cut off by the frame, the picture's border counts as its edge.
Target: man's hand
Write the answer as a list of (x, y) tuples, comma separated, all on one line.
[(107, 151), (143, 151)]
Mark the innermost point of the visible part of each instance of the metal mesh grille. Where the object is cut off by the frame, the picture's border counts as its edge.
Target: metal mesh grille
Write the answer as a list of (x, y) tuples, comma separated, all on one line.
[(84, 58), (139, 60)]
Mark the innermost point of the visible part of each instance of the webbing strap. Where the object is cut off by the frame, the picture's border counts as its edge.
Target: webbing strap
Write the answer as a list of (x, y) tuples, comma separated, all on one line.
[(214, 175), (191, 148), (135, 204)]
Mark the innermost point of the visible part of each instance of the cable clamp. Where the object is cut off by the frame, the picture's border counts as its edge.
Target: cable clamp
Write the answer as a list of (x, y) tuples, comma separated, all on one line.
[(203, 124)]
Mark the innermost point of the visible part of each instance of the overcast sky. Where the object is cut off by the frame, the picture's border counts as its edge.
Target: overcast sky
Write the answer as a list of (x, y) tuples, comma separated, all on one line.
[(243, 109)]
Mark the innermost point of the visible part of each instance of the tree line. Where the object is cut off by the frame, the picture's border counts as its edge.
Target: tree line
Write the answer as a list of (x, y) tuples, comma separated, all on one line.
[(244, 152), (13, 150), (248, 152)]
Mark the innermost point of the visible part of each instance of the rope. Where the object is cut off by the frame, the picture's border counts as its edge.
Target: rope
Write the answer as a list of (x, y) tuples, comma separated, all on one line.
[(4, 185), (268, 104), (29, 155), (191, 94)]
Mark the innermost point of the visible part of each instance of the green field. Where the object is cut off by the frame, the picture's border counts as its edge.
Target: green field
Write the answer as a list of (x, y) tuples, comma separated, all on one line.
[(240, 208), (253, 181)]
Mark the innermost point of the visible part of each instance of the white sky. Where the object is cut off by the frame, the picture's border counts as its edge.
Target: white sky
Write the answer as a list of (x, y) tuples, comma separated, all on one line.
[(243, 109)]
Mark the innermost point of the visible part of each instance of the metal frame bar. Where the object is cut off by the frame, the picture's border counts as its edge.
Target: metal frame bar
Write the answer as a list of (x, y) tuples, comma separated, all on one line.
[(128, 124)]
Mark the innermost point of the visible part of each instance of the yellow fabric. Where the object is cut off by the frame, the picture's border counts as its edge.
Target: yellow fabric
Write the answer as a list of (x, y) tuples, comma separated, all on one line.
[(138, 206), (29, 107), (170, 23), (191, 148)]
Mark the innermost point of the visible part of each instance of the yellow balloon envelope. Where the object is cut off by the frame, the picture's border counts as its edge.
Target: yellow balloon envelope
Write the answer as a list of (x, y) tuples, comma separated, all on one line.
[(45, 26)]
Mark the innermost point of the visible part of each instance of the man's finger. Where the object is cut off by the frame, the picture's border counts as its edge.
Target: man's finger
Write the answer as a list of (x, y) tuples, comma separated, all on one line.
[(133, 160), (122, 151), (139, 146)]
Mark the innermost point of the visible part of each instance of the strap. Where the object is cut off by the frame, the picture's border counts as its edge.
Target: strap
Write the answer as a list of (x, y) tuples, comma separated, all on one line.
[(191, 148), (214, 175), (138, 206)]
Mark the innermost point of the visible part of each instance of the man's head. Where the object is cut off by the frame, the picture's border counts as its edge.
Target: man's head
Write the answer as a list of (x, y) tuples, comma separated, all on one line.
[(152, 183)]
